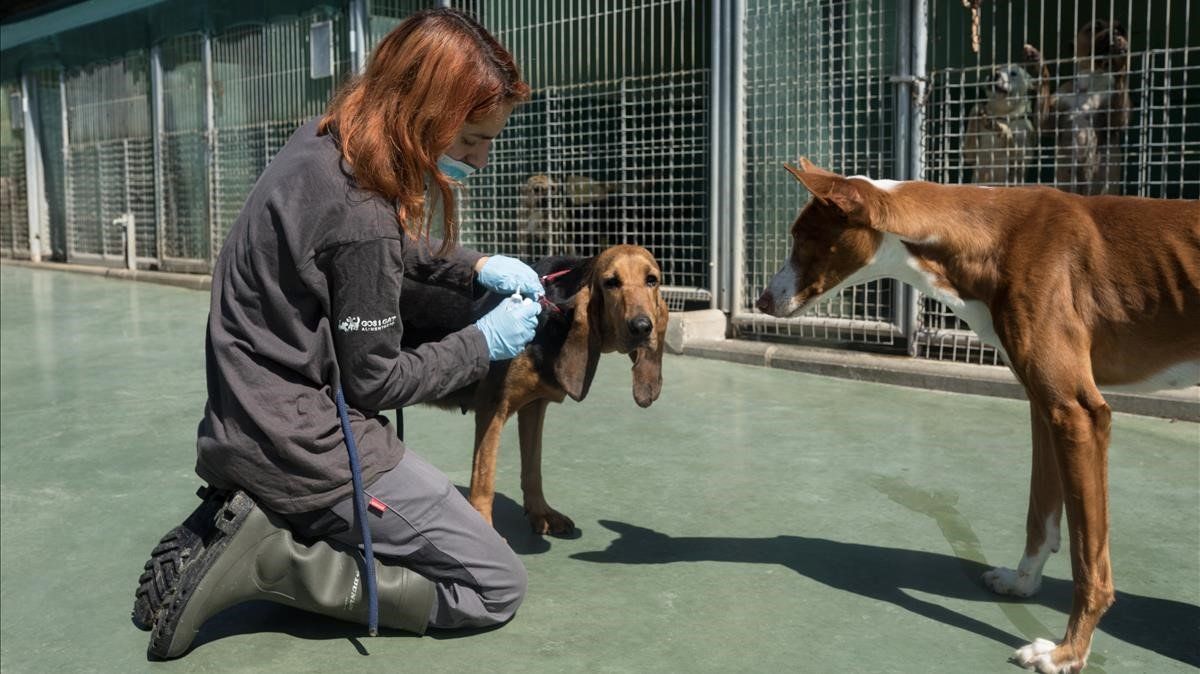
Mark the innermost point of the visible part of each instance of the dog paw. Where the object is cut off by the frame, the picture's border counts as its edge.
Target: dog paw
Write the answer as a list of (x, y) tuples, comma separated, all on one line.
[(1040, 656), (550, 521), (1007, 581)]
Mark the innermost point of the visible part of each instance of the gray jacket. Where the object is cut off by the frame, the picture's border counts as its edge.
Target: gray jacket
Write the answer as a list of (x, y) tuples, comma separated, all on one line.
[(306, 295)]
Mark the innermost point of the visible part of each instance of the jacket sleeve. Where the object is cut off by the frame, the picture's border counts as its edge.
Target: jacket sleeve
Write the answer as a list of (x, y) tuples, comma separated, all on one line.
[(454, 270), (365, 305)]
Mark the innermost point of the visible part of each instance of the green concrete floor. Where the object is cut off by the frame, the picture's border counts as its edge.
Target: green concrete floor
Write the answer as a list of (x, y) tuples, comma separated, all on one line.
[(752, 520)]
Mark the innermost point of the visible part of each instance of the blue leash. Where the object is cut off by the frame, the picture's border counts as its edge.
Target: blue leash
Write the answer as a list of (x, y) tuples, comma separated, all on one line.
[(360, 514)]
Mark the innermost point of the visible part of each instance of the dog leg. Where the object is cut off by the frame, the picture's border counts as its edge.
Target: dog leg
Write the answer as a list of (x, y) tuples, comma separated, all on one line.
[(1079, 421), (488, 424), (1042, 524), (543, 518)]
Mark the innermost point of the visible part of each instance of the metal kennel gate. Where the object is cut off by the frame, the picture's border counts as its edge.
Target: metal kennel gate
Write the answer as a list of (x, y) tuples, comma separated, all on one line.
[(109, 160), (817, 82)]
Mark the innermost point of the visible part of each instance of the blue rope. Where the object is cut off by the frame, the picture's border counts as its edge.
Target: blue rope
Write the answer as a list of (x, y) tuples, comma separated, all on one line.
[(360, 514)]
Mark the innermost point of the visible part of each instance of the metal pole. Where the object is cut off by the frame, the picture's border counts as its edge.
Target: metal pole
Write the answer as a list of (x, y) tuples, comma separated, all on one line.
[(916, 156), (359, 37), (131, 254), (903, 80), (920, 46), (210, 149), (157, 129), (66, 153), (737, 185), (129, 222), (718, 262), (35, 187), (901, 292)]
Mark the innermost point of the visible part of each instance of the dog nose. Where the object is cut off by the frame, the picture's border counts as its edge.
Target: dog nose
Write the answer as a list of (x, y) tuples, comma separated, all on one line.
[(764, 303), (640, 326)]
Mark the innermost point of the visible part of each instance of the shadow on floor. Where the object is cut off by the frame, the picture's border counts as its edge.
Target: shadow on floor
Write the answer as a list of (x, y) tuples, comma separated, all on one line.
[(1161, 625), (508, 517)]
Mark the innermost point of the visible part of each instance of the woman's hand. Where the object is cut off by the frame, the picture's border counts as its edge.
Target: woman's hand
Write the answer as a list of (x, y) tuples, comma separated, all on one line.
[(507, 275), (509, 327)]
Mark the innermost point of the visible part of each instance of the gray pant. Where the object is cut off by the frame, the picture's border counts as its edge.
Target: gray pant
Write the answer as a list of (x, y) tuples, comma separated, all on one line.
[(430, 528)]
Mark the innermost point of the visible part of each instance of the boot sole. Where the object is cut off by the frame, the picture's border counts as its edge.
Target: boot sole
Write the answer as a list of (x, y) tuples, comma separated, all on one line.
[(162, 572), (168, 559), (227, 522)]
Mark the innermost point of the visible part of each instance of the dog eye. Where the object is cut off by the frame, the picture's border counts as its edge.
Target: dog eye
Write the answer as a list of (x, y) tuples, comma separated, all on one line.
[(612, 283), (651, 280)]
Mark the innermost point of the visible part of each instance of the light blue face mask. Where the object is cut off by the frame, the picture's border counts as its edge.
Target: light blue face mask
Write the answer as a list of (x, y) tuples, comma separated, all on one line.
[(454, 169)]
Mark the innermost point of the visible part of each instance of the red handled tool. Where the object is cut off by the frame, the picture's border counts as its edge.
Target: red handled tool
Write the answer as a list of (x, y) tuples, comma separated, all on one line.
[(546, 279)]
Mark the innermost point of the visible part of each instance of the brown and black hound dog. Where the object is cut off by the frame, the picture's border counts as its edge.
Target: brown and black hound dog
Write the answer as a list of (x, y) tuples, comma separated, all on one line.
[(610, 302)]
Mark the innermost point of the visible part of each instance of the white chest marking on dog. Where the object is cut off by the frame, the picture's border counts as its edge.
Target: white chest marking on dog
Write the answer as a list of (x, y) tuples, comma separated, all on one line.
[(893, 260)]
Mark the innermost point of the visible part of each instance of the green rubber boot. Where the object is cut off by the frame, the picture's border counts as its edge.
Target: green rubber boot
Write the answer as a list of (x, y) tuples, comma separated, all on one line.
[(252, 555)]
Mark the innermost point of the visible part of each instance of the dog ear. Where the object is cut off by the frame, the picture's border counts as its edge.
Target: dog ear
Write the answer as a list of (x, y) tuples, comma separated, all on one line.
[(832, 189), (807, 166), (647, 361), (576, 363)]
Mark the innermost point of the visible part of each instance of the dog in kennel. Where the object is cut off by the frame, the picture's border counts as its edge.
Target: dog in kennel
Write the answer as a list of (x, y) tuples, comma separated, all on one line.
[(573, 214), (1089, 112), (1002, 136)]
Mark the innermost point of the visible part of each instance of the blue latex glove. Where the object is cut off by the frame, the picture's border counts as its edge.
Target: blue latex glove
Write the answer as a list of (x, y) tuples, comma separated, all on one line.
[(507, 275), (509, 327)]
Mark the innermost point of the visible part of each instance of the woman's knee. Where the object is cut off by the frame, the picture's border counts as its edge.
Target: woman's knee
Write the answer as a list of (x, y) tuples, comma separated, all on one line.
[(505, 596), (513, 593)]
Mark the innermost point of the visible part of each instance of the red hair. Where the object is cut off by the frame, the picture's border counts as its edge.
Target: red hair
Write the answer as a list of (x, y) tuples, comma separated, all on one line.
[(437, 71)]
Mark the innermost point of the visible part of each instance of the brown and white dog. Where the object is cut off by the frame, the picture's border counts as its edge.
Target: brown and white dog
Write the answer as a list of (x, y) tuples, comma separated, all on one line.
[(610, 302), (1077, 292)]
